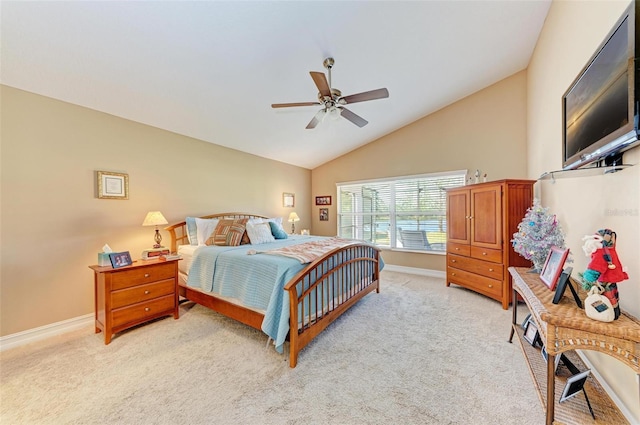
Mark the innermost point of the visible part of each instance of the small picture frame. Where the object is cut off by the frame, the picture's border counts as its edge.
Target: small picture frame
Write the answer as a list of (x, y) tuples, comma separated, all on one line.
[(531, 333), (288, 200), (120, 259), (324, 214), (323, 200), (574, 385), (112, 185), (545, 355), (563, 282), (553, 266)]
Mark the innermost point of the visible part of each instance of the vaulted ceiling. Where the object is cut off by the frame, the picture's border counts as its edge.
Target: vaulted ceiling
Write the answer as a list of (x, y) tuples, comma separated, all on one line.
[(211, 69)]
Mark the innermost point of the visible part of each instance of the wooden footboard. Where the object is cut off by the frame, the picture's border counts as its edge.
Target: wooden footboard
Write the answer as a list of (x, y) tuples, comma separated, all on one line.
[(328, 287)]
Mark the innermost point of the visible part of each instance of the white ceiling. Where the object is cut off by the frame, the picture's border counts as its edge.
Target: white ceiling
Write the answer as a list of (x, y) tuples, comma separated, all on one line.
[(211, 69)]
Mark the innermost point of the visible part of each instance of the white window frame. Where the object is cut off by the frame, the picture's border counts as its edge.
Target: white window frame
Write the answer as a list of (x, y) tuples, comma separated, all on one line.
[(357, 221)]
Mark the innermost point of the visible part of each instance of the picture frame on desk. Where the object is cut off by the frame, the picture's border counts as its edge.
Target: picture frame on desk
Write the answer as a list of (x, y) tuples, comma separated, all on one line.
[(553, 266), (120, 259), (564, 281)]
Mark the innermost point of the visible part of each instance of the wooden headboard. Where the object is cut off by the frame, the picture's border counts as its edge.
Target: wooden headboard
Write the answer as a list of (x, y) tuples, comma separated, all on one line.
[(178, 231)]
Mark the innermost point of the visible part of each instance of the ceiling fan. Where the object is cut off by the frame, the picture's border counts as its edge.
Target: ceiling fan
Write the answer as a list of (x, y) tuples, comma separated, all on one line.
[(332, 100)]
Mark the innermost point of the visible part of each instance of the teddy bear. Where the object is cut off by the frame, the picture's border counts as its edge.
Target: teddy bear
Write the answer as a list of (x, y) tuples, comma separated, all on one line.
[(604, 267)]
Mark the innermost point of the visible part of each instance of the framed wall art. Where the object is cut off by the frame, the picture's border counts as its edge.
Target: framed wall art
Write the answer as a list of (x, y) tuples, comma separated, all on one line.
[(324, 214), (553, 266), (112, 185), (288, 200), (323, 200)]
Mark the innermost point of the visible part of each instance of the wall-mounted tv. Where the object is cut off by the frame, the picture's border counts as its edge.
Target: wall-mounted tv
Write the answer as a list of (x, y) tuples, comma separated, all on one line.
[(600, 109)]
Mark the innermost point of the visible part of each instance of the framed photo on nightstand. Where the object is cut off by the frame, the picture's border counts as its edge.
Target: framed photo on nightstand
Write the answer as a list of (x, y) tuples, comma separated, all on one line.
[(120, 259)]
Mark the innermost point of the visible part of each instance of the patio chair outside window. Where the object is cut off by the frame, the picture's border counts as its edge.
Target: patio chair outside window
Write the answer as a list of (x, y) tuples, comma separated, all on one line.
[(414, 239)]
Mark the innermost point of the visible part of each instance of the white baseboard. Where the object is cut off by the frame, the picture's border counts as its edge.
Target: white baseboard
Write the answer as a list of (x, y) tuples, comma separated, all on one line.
[(46, 331), (614, 397), (415, 270)]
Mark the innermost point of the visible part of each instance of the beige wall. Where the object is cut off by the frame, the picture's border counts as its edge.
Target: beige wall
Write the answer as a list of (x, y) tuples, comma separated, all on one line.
[(571, 34), (485, 131), (53, 225)]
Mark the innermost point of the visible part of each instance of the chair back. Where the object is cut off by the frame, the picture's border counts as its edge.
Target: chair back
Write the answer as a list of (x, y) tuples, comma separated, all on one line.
[(414, 239)]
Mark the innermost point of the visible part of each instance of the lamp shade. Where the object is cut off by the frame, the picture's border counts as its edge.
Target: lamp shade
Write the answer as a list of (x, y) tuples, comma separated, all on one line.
[(154, 218), (293, 217)]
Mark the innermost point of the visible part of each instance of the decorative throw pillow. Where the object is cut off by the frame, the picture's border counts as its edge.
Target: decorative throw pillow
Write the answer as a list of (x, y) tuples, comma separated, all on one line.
[(192, 230), (277, 231), (259, 233), (205, 227), (228, 232)]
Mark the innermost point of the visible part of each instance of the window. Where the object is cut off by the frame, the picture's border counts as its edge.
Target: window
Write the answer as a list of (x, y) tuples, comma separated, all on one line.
[(406, 212)]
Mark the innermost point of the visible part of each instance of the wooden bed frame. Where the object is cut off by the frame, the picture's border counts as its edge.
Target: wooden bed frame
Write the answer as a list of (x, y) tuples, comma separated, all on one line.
[(351, 272)]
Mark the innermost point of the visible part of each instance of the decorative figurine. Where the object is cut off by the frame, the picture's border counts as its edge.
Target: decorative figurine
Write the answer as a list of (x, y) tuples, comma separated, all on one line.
[(477, 175), (605, 267)]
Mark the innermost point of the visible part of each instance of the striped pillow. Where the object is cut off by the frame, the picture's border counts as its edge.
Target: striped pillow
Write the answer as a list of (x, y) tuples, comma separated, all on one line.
[(228, 232)]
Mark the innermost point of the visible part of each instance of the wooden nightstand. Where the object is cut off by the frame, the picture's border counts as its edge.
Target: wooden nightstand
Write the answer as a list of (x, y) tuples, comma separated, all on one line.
[(135, 294)]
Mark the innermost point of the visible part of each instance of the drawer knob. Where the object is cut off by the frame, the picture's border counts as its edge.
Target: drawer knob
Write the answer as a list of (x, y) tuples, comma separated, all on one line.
[(147, 275), (147, 309), (490, 286), (490, 270), (453, 261), (453, 274), (484, 253), (457, 249), (147, 292)]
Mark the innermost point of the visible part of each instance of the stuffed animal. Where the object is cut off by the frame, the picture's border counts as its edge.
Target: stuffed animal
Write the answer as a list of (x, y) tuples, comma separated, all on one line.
[(604, 267)]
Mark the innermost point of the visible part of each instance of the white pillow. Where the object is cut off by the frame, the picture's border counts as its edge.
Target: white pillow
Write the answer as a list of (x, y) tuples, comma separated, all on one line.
[(259, 233), (205, 227)]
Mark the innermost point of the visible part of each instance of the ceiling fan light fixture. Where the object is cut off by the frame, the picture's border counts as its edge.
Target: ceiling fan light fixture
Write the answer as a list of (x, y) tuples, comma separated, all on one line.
[(334, 113)]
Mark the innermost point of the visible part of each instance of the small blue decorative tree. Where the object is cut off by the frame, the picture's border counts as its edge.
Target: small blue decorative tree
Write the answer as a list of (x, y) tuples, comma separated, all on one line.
[(537, 233)]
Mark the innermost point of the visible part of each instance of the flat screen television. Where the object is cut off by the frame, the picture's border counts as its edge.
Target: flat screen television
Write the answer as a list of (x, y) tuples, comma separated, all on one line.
[(600, 109)]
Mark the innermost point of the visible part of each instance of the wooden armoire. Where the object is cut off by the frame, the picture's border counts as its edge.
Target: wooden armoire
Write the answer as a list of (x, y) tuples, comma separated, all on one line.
[(481, 221)]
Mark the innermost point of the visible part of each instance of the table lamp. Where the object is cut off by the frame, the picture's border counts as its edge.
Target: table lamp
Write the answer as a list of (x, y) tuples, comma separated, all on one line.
[(293, 217), (155, 218)]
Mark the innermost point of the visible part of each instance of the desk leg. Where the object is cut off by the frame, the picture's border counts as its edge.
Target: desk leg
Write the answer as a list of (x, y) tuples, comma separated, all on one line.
[(551, 387), (514, 320)]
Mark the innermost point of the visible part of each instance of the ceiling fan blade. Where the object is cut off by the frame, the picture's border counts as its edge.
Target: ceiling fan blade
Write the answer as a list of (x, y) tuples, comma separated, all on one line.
[(321, 82), (367, 95), (316, 119), (356, 119), (287, 105)]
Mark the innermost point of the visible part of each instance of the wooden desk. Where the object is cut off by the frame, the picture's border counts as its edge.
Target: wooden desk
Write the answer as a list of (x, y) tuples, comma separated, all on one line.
[(564, 327)]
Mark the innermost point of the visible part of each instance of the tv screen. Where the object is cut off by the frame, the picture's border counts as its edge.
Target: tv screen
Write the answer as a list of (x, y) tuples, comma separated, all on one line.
[(598, 108)]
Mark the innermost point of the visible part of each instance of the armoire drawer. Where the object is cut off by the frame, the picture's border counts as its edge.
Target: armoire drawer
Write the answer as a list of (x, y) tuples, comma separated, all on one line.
[(493, 255), (459, 249), (484, 285), (473, 265)]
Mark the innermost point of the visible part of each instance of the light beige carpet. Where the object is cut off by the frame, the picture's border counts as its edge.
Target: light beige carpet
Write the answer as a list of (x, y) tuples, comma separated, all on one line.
[(417, 353)]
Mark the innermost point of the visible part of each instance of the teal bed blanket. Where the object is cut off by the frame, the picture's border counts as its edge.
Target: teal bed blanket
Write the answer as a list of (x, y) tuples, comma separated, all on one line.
[(255, 281)]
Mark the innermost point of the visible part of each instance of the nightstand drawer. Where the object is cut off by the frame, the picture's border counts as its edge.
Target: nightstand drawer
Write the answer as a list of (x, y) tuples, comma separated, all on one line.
[(141, 275), (136, 294), (141, 311)]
